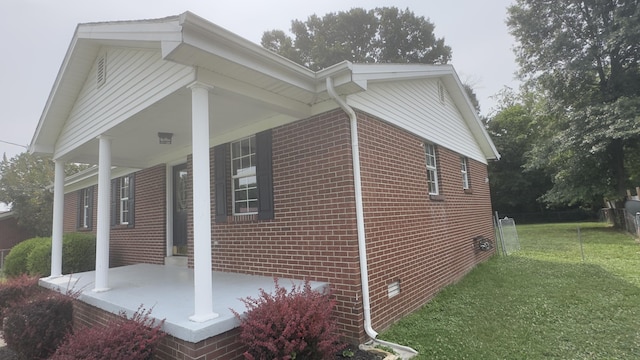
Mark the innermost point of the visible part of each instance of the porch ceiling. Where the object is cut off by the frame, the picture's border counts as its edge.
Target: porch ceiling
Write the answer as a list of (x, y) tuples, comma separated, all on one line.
[(135, 141), (168, 291)]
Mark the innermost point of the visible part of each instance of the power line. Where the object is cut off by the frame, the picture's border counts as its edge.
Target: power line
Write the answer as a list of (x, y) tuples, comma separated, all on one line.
[(11, 143)]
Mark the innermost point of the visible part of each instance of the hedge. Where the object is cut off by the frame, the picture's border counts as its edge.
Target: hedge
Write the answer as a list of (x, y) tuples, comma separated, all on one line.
[(15, 264), (33, 256)]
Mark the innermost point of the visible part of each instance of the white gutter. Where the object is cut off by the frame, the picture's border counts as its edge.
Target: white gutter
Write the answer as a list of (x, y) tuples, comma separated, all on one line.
[(362, 243)]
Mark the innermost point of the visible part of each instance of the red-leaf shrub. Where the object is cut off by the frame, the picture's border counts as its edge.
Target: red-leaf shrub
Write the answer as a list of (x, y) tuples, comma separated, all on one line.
[(16, 290), (35, 327), (131, 339), (289, 325)]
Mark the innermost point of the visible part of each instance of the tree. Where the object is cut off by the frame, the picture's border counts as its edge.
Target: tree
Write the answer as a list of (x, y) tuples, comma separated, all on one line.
[(584, 56), (514, 130), (25, 182), (375, 36)]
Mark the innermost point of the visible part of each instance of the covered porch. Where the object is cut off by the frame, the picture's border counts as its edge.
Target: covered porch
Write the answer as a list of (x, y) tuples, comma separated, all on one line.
[(168, 291)]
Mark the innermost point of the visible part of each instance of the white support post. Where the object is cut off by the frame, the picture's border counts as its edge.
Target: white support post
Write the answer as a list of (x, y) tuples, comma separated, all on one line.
[(203, 287), (104, 215), (58, 220)]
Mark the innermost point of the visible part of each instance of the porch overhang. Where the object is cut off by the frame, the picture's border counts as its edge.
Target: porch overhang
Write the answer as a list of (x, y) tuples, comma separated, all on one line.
[(168, 292)]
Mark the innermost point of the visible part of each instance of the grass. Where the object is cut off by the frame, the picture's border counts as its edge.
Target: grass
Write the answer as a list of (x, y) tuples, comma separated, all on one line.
[(543, 302)]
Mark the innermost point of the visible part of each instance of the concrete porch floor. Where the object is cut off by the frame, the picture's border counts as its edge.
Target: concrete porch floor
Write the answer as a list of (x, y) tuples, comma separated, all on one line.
[(168, 290)]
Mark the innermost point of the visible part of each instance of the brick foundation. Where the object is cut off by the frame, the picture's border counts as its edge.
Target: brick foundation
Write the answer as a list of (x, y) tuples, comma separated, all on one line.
[(224, 346)]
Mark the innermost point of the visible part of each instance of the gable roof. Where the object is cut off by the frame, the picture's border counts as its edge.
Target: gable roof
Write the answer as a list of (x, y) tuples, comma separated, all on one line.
[(190, 40)]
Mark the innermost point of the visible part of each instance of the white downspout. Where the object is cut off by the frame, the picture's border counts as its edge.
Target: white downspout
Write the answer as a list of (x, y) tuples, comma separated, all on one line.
[(362, 243)]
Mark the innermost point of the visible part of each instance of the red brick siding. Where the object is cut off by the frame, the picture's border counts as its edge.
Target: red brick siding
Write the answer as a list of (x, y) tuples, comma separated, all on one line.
[(146, 241), (313, 235), (425, 244), (71, 212), (11, 233)]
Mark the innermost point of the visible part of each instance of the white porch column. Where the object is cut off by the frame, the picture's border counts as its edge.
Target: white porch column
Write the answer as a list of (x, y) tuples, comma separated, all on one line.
[(104, 215), (203, 288), (58, 220)]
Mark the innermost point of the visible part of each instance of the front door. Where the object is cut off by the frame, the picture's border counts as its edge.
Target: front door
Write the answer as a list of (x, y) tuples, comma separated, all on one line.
[(180, 178)]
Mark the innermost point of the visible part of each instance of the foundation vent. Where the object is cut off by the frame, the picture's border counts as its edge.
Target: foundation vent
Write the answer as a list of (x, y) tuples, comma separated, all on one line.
[(394, 289)]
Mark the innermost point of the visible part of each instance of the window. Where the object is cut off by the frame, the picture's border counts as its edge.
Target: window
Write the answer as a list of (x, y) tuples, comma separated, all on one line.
[(432, 169), (465, 173), (122, 201), (85, 208), (243, 173), (251, 178)]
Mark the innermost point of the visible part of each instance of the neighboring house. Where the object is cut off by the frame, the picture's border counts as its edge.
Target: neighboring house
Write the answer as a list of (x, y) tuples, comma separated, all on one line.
[(220, 164), (10, 232)]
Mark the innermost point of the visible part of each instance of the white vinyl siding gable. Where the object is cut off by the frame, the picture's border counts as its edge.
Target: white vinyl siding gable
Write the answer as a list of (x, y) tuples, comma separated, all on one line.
[(134, 80), (414, 105)]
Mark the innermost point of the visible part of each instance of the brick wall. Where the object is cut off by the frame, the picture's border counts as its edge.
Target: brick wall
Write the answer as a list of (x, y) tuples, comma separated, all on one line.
[(11, 233), (313, 235), (424, 243), (146, 241), (71, 211)]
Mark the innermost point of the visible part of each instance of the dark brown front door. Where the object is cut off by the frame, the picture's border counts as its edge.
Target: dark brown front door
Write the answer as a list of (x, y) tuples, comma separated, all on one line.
[(180, 178)]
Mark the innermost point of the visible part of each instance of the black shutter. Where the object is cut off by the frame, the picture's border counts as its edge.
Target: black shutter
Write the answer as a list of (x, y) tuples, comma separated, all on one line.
[(79, 217), (132, 202), (264, 175), (114, 202), (220, 181), (90, 209)]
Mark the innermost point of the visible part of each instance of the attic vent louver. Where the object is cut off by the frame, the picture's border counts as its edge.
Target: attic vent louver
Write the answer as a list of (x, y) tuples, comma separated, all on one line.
[(441, 92), (101, 71)]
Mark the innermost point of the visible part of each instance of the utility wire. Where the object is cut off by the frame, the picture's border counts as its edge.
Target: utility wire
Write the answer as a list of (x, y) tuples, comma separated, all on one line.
[(12, 143)]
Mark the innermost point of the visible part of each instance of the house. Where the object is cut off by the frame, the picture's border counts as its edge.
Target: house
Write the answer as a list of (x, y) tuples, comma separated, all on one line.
[(10, 233), (220, 165)]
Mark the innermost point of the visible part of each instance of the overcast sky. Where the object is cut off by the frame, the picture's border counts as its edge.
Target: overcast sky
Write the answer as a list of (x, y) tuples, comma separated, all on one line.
[(37, 34)]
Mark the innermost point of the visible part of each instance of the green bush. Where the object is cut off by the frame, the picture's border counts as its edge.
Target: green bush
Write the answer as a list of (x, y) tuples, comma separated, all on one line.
[(78, 252), (15, 264), (33, 256), (39, 260)]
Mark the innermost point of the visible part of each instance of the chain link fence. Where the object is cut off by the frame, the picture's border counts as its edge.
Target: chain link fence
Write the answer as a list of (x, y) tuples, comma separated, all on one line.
[(622, 219), (507, 235)]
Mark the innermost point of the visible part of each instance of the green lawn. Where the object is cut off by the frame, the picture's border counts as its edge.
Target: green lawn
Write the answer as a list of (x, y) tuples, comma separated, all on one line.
[(543, 302)]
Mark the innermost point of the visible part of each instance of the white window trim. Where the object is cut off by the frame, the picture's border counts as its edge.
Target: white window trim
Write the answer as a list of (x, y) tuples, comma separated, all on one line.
[(124, 200), (464, 170), (246, 174), (432, 168)]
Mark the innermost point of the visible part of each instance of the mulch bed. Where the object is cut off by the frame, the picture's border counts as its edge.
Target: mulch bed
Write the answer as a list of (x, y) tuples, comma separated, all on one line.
[(358, 355)]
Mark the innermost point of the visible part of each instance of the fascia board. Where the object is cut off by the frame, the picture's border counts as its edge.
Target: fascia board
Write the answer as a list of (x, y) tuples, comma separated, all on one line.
[(216, 40), (134, 33), (456, 90), (38, 144)]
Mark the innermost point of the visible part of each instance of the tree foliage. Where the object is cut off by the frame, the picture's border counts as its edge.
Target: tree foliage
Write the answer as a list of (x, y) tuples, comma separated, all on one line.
[(25, 181), (584, 57), (382, 35), (514, 129)]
